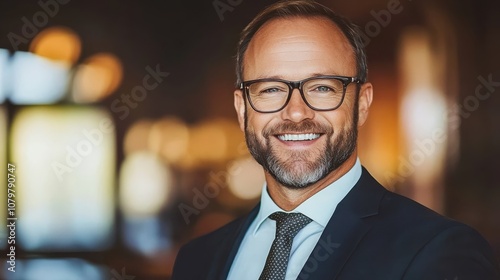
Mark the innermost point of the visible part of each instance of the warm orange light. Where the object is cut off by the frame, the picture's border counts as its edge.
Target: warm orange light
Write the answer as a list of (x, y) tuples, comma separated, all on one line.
[(245, 178), (57, 43), (97, 77), (423, 119), (214, 141), (169, 137), (208, 142), (136, 137)]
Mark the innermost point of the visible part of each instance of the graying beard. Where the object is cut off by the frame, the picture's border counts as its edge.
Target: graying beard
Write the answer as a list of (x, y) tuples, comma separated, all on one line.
[(329, 161), (286, 175)]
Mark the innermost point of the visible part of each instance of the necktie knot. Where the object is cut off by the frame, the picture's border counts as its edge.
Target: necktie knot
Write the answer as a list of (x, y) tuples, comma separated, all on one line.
[(289, 224)]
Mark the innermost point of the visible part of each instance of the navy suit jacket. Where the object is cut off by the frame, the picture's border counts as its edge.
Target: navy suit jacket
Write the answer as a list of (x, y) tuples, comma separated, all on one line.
[(373, 234)]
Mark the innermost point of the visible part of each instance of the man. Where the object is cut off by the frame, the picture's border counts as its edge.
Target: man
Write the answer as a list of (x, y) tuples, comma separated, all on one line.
[(302, 94)]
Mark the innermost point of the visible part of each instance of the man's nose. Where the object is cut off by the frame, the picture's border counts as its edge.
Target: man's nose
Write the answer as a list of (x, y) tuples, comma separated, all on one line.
[(297, 110)]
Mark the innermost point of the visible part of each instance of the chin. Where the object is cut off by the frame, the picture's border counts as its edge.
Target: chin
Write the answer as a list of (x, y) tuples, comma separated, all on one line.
[(298, 175)]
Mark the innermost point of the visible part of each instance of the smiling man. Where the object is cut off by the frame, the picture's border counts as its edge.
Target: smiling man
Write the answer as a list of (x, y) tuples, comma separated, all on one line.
[(302, 94)]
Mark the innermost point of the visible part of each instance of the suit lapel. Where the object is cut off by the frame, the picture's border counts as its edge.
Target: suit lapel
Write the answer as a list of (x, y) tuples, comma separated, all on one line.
[(351, 220), (227, 252)]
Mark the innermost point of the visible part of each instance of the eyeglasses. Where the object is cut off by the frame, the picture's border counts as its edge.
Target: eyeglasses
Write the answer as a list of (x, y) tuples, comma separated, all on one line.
[(321, 93)]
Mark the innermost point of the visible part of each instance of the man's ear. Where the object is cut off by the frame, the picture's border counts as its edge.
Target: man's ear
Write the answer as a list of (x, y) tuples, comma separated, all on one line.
[(239, 105), (364, 102)]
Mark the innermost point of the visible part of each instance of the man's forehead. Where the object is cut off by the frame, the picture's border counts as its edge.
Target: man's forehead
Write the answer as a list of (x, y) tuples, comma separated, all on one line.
[(298, 41), (299, 28)]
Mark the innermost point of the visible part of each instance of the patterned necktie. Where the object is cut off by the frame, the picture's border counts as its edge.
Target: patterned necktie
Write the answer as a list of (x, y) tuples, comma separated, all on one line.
[(287, 226)]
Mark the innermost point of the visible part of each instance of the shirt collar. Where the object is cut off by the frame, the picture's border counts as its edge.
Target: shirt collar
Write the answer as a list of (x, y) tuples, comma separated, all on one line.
[(320, 206)]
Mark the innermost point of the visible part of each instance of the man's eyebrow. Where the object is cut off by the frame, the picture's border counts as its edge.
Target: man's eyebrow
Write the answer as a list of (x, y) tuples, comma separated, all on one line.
[(279, 77), (330, 73)]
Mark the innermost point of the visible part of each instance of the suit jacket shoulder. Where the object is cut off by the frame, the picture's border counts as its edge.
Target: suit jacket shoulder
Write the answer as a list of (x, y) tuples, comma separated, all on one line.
[(382, 235)]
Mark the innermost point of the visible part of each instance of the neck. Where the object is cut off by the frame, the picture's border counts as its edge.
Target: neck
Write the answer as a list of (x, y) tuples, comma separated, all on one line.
[(288, 199)]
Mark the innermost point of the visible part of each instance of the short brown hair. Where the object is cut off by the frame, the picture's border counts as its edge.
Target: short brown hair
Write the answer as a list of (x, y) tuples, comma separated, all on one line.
[(302, 8)]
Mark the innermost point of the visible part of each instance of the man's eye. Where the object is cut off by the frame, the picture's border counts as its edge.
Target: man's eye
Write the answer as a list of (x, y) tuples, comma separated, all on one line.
[(323, 89), (271, 90)]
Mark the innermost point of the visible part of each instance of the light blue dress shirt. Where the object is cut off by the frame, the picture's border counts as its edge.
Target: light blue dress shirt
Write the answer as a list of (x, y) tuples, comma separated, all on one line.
[(252, 254)]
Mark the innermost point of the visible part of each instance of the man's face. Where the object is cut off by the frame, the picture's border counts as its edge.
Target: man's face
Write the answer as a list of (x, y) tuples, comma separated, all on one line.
[(299, 146)]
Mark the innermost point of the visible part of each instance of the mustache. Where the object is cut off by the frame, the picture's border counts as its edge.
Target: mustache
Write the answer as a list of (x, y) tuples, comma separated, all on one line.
[(306, 126)]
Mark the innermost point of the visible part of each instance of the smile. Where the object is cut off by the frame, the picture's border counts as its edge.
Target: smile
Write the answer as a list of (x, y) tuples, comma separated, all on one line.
[(299, 137)]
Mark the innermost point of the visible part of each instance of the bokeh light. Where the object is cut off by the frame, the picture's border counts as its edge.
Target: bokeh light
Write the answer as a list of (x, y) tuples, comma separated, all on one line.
[(37, 80), (137, 137), (98, 76), (208, 142), (57, 43), (169, 137), (213, 141), (245, 178), (423, 119), (66, 159), (147, 235), (145, 184)]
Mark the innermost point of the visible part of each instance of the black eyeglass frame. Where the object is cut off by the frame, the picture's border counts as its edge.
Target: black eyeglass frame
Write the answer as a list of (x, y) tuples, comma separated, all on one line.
[(298, 85)]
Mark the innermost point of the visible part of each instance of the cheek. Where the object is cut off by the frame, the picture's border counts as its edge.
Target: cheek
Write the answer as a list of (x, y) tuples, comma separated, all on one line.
[(257, 122), (340, 119), (348, 103), (346, 112)]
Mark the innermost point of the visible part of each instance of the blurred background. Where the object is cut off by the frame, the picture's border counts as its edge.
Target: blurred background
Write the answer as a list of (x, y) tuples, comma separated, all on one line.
[(119, 119)]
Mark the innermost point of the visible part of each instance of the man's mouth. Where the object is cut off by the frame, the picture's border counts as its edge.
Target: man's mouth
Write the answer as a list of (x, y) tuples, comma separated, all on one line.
[(298, 137)]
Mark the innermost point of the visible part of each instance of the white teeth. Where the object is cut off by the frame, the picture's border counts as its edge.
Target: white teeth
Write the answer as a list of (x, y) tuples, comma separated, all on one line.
[(298, 137)]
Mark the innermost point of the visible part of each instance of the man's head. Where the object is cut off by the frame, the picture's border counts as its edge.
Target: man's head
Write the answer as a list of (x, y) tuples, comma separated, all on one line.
[(300, 145), (303, 9)]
